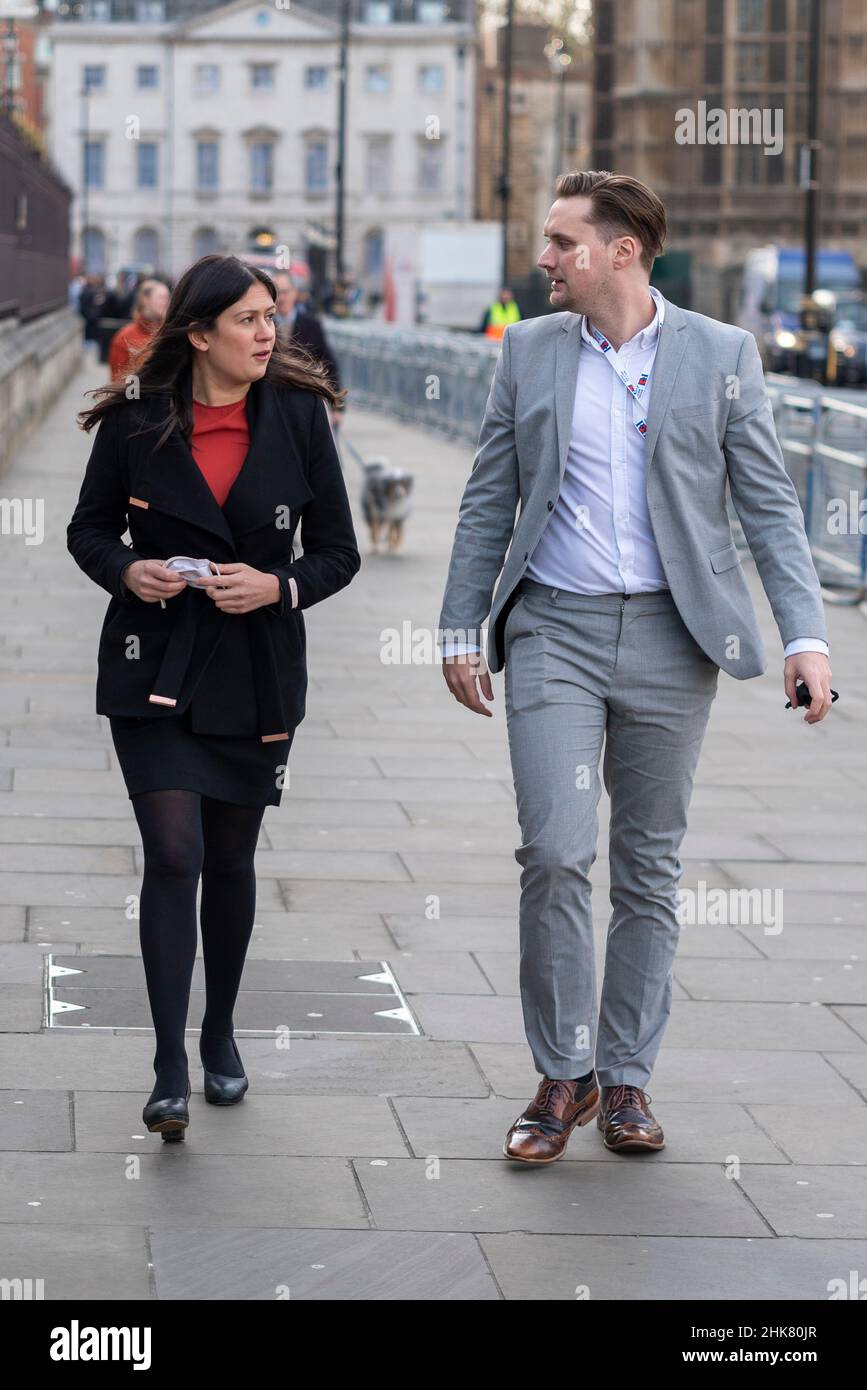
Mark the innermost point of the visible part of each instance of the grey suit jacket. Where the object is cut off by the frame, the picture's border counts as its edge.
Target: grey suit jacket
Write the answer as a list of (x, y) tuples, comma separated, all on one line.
[(709, 423)]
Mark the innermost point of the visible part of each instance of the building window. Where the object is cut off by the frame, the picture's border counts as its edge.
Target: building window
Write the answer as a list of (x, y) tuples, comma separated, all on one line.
[(262, 77), (374, 251), (713, 64), (430, 167), (93, 77), (778, 17), (377, 12), (316, 79), (432, 77), (430, 11), (750, 66), (801, 52), (150, 11), (97, 11), (572, 129), (205, 242), (261, 166), (377, 78), (146, 164), (777, 62), (711, 160), (378, 171), (207, 165), (316, 166), (751, 16), (146, 247), (207, 77), (713, 16), (93, 251), (750, 163), (147, 76), (94, 164)]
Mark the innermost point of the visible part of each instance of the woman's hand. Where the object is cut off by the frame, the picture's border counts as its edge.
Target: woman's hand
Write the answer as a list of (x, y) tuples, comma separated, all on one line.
[(151, 581), (240, 588)]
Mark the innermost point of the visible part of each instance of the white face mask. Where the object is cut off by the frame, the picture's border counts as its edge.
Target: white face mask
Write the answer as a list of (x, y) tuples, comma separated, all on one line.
[(191, 569)]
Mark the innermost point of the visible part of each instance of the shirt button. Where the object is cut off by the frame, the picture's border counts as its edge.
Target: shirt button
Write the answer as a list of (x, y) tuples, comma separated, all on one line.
[(550, 506)]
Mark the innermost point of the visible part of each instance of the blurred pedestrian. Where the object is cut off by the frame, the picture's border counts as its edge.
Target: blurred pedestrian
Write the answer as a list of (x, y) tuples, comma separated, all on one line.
[(90, 305), (149, 310), (304, 330)]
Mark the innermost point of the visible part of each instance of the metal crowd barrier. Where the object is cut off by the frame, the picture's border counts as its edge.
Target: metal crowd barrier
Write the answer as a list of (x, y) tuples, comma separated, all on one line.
[(440, 380), (437, 379), (824, 442)]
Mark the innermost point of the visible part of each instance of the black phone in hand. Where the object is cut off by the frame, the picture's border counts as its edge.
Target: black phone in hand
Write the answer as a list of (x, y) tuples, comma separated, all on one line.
[(804, 697)]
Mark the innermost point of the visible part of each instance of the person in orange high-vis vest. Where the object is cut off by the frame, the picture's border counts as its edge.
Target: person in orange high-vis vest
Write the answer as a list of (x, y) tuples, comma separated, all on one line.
[(500, 314)]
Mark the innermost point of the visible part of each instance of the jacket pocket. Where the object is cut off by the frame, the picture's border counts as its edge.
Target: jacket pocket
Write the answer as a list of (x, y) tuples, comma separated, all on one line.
[(724, 559), (706, 407)]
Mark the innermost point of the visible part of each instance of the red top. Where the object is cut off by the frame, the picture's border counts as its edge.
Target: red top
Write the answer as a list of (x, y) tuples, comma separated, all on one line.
[(220, 441)]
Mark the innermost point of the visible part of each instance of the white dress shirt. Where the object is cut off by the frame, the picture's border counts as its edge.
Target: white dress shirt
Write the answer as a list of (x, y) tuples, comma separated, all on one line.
[(599, 539)]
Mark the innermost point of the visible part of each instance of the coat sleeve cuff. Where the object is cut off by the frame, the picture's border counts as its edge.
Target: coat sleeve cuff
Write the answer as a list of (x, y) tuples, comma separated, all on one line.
[(288, 594), (126, 557)]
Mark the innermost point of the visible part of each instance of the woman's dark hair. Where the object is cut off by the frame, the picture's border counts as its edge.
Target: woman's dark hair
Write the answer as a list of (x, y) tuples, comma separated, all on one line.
[(165, 365)]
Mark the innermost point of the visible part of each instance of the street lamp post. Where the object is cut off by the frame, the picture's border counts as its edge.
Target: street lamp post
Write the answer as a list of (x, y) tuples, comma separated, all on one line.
[(503, 183), (811, 151), (558, 61), (85, 131), (341, 137)]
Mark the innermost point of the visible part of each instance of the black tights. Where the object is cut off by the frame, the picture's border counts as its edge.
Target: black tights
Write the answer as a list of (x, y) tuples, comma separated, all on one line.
[(185, 835)]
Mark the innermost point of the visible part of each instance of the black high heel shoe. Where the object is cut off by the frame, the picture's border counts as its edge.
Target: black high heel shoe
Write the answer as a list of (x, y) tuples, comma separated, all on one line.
[(224, 1090), (168, 1117)]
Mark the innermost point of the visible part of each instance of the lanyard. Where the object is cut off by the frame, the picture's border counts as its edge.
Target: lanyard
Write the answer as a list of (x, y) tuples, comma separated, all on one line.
[(636, 391)]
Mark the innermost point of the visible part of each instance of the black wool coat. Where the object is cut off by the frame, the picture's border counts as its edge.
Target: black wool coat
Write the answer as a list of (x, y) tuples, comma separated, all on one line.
[(242, 673)]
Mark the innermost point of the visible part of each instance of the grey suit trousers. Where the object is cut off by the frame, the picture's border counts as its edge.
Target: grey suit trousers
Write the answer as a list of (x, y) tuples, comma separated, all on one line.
[(580, 670)]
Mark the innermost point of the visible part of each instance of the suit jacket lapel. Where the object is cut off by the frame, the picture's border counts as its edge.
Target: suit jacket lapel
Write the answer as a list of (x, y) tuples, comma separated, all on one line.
[(673, 340), (566, 352)]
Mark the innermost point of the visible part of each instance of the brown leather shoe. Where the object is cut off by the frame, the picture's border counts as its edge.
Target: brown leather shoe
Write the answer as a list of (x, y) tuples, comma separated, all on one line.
[(541, 1133), (626, 1120)]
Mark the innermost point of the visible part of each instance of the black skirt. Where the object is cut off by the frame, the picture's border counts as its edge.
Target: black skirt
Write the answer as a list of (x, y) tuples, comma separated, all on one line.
[(164, 753)]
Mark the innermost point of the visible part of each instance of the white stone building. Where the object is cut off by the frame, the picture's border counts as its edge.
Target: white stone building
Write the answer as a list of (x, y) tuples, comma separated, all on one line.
[(218, 130)]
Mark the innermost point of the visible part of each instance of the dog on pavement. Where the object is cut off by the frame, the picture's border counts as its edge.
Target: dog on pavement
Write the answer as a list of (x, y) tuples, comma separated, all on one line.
[(385, 502)]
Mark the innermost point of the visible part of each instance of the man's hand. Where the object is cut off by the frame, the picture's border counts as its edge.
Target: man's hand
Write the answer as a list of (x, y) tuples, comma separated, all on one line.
[(151, 581), (461, 674), (240, 588), (814, 670)]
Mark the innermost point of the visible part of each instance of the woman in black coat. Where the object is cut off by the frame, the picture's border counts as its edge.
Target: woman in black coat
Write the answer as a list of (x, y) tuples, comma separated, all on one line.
[(202, 673)]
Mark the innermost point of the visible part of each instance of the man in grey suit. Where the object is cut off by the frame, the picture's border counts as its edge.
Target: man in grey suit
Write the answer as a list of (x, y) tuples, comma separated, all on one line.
[(616, 423)]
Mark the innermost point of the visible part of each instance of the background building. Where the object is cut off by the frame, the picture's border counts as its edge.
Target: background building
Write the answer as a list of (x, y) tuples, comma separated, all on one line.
[(187, 129), (551, 106), (653, 57)]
